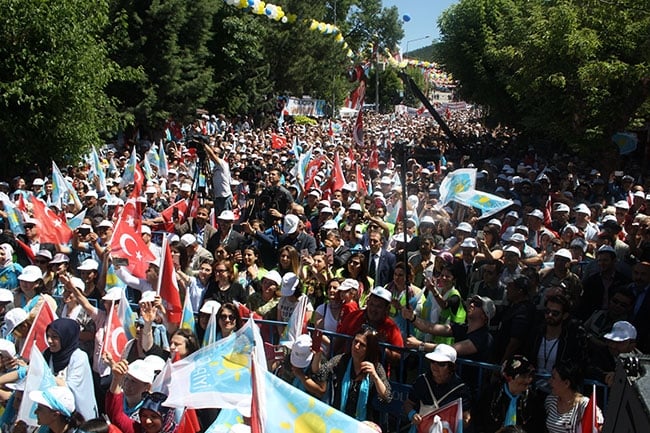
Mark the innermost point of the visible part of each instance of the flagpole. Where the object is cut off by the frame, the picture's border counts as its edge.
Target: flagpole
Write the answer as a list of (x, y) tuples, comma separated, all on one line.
[(161, 265), (402, 173)]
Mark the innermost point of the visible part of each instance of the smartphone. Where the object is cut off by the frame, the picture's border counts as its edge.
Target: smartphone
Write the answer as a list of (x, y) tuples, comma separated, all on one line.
[(480, 235), (175, 213), (119, 261), (330, 255), (304, 252), (618, 173), (84, 232), (316, 340)]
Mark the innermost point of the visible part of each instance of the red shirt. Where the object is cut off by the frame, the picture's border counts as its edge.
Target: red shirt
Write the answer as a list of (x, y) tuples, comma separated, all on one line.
[(388, 331)]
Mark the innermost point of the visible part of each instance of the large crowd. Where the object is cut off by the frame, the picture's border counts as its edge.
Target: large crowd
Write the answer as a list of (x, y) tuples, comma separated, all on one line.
[(553, 289)]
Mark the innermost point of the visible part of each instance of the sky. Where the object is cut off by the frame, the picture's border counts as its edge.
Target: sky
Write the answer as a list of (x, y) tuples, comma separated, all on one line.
[(424, 17)]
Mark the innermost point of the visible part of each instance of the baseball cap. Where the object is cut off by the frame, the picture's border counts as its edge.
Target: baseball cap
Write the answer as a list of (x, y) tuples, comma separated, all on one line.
[(227, 215), (621, 331), (273, 276), (301, 354), (44, 253), (536, 213), (329, 225), (512, 249), (56, 398), (91, 193), (517, 237), (486, 304), (565, 253), (145, 230), (464, 227), (355, 207), (382, 293), (13, 318), (141, 371), (348, 284), (188, 239), (8, 347), (88, 265), (290, 225), (622, 204), (31, 274), (155, 362), (582, 208), (442, 353), (59, 258), (210, 307), (113, 294), (289, 283), (561, 207), (469, 243)]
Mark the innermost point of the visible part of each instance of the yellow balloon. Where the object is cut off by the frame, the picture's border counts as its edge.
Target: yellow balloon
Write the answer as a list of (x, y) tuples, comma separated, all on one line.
[(314, 25), (338, 37)]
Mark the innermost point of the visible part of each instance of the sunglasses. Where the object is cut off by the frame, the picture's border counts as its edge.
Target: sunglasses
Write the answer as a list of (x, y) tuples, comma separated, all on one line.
[(552, 313), (229, 317)]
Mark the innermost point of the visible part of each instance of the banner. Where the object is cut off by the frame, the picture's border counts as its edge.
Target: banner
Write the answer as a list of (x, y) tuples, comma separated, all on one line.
[(304, 107)]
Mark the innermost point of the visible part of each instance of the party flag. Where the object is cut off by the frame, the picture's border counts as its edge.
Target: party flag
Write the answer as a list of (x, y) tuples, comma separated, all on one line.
[(39, 378), (487, 203), (163, 165), (125, 313), (217, 375), (14, 217), (97, 171), (591, 417), (187, 320), (77, 220), (62, 191), (448, 418), (210, 335), (456, 182), (225, 420), (297, 323)]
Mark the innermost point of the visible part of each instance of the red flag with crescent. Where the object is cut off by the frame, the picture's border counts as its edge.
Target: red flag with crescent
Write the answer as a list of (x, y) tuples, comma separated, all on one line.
[(115, 338), (127, 242), (36, 332), (53, 228)]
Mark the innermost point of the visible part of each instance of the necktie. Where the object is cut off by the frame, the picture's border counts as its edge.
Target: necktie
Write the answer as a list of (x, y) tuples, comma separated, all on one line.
[(373, 266)]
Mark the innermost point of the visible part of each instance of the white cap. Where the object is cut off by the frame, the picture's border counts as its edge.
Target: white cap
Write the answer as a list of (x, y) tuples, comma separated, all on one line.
[(273, 276), (226, 215), (185, 187), (355, 207), (155, 362), (37, 182), (145, 230), (141, 371), (91, 193), (301, 354), (78, 283), (621, 331), (188, 239), (469, 243), (464, 227), (348, 284), (289, 284), (88, 265), (290, 225), (8, 347), (513, 214), (105, 223), (13, 318), (382, 293), (6, 295), (517, 237), (561, 207), (113, 294), (512, 249), (326, 209), (329, 225), (210, 307), (57, 398), (150, 190), (31, 274), (582, 208), (427, 219), (442, 353), (496, 222), (148, 296), (564, 253), (536, 213), (622, 204)]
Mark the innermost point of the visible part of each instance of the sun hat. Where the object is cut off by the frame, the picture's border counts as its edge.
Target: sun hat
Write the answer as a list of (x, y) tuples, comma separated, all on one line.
[(442, 353), (301, 354), (56, 398)]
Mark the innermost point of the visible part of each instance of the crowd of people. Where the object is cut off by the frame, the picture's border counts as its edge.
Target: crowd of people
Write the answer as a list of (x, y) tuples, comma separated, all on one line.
[(554, 288)]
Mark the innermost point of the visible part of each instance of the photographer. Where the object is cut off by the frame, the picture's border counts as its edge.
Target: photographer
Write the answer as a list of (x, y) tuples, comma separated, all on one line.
[(221, 193)]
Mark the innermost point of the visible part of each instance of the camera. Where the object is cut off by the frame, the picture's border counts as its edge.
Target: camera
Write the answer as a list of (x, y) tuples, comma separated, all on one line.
[(196, 142)]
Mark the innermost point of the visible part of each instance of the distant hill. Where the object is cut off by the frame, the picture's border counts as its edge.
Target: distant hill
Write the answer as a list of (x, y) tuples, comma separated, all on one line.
[(427, 54)]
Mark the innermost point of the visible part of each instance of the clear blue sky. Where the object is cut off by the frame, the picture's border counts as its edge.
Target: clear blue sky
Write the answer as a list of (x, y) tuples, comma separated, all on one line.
[(424, 17)]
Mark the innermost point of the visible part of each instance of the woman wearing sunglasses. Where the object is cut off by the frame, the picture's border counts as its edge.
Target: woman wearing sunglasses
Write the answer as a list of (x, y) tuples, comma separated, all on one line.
[(228, 320)]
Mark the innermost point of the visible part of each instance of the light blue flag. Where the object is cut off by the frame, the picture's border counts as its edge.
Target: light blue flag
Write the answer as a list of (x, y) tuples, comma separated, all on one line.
[(62, 191), (39, 378), (284, 408), (457, 182), (124, 311), (163, 165), (187, 319), (128, 176), (218, 375), (148, 171), (77, 220), (112, 167), (224, 422), (210, 335), (488, 204), (97, 170), (14, 217)]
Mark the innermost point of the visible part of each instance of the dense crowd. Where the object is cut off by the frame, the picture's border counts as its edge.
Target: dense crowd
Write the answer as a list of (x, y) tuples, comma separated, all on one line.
[(553, 288)]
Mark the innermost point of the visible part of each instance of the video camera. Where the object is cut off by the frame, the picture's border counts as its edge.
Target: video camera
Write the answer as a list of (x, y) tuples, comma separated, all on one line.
[(196, 141)]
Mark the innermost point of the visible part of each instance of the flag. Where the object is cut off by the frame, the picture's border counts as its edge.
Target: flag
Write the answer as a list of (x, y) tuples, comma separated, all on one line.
[(77, 220), (590, 422), (373, 161), (189, 422), (225, 420), (27, 250), (361, 182), (163, 379), (279, 407), (393, 215), (97, 171), (163, 165), (62, 191), (53, 228), (128, 176), (312, 170), (168, 213), (148, 171), (448, 419), (187, 320), (39, 378), (357, 130), (337, 179), (125, 313), (115, 337), (14, 217), (168, 286), (487, 203), (278, 142), (297, 323), (210, 335), (127, 242), (217, 375), (456, 182), (36, 335), (626, 142)]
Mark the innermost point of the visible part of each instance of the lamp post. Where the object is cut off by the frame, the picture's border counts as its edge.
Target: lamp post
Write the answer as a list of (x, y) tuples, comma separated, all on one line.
[(415, 40)]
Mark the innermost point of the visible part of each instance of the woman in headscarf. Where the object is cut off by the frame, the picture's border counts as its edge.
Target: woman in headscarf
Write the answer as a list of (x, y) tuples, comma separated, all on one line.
[(70, 365), (9, 270)]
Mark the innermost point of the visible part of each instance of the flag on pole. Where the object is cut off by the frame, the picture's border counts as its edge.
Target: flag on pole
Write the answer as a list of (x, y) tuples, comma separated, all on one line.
[(163, 165), (187, 320), (168, 286), (77, 220), (14, 217), (592, 418), (297, 323), (448, 418), (210, 335), (337, 180), (36, 335), (53, 228), (115, 337), (39, 378), (125, 312), (456, 182), (62, 191), (97, 171)]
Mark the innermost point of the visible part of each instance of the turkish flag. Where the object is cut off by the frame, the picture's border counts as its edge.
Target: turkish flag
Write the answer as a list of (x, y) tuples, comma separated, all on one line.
[(115, 338), (138, 180), (357, 130), (127, 243), (312, 170), (337, 180), (361, 183), (448, 418), (189, 422), (36, 332), (168, 286), (168, 213), (373, 161), (589, 422), (278, 142), (53, 228)]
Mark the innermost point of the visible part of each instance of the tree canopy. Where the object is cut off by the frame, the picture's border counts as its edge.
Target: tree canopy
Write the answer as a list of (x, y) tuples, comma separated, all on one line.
[(573, 72)]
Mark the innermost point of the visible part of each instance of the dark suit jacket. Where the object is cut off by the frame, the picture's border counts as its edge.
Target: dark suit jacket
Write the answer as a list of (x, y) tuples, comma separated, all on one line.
[(641, 322), (236, 242), (593, 291), (385, 267), (464, 280), (189, 227)]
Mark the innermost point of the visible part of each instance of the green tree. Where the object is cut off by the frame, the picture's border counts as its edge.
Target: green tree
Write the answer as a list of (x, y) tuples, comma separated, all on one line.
[(53, 72), (570, 71)]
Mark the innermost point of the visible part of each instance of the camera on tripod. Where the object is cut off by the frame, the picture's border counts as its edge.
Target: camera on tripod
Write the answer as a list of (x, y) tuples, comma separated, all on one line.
[(196, 142)]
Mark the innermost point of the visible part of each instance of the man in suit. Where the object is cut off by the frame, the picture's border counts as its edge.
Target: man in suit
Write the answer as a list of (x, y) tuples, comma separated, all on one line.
[(465, 269), (381, 263), (226, 235), (198, 226)]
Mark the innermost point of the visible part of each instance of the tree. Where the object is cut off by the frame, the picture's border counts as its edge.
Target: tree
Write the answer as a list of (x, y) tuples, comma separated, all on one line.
[(570, 71), (53, 72)]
